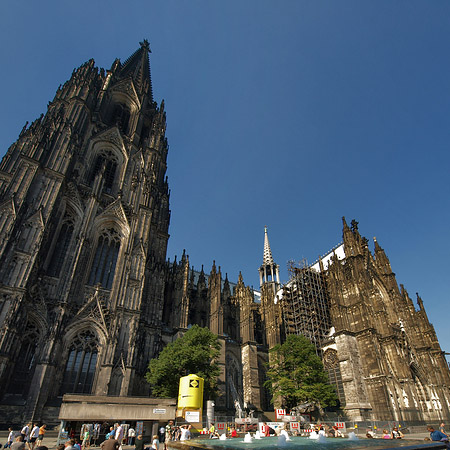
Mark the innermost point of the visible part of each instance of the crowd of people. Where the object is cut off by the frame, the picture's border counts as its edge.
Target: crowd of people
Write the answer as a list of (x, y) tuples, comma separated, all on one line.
[(31, 435)]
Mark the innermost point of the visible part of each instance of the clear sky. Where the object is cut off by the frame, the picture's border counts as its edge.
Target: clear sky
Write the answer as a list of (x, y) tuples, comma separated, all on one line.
[(289, 114)]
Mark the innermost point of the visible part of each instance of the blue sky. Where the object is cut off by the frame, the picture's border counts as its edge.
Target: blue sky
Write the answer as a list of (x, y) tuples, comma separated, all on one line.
[(289, 114)]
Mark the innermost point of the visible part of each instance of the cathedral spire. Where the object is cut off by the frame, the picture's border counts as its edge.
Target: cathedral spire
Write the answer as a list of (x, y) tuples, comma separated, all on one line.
[(137, 66), (267, 257), (269, 271)]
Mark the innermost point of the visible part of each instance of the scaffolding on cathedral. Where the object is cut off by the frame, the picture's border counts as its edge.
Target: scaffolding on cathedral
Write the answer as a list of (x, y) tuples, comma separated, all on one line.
[(305, 304)]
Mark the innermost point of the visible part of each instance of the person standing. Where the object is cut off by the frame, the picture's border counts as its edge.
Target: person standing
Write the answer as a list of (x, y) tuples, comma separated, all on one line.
[(42, 431), (34, 436), (131, 435), (86, 442), (139, 444), (155, 442), (10, 439), (162, 434), (25, 431), (169, 430), (185, 433), (119, 434)]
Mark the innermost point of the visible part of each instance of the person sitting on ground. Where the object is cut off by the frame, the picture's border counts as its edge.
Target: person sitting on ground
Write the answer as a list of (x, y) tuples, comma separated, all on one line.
[(396, 433), (442, 428), (386, 434), (234, 433), (437, 435)]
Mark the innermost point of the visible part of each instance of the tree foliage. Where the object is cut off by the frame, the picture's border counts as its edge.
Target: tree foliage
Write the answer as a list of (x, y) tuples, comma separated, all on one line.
[(297, 375), (193, 353)]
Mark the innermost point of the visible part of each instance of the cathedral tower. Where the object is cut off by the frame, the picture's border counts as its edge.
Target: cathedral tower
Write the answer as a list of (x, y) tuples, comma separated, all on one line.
[(84, 228), (269, 278)]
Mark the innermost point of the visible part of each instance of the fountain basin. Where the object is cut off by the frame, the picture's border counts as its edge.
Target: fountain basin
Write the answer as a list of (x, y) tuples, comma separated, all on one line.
[(304, 443)]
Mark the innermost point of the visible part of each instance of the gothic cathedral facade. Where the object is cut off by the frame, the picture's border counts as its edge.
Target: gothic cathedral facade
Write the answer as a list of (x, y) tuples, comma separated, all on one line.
[(88, 298), (84, 231)]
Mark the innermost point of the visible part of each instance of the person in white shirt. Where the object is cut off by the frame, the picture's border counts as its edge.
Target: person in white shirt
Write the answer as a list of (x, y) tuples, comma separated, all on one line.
[(10, 438), (185, 433), (131, 436), (34, 435), (25, 432), (119, 435)]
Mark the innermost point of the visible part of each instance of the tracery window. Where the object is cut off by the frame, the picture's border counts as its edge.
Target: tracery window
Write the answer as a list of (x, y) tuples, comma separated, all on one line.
[(107, 162), (331, 365), (121, 117), (81, 363), (26, 361), (60, 248), (105, 260)]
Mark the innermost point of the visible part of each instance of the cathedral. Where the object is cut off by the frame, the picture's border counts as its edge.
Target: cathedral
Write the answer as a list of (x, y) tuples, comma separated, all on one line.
[(88, 296)]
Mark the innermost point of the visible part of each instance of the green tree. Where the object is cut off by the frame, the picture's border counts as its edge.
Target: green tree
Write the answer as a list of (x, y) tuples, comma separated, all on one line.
[(193, 353), (296, 374)]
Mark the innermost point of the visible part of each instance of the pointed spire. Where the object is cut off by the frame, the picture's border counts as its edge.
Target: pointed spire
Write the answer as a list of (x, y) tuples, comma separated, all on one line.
[(381, 260), (269, 271), (137, 66), (420, 302), (267, 257)]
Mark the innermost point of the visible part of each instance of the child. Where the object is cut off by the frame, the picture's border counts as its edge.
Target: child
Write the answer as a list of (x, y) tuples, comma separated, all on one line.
[(155, 442)]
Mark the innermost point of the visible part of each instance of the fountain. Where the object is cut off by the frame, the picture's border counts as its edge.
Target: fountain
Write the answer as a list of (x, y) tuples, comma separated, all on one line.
[(352, 436), (316, 441), (285, 434), (314, 435), (223, 437)]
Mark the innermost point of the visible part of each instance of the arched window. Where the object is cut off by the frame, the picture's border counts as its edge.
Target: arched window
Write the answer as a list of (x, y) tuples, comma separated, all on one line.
[(81, 363), (60, 248), (26, 361), (106, 162), (104, 264)]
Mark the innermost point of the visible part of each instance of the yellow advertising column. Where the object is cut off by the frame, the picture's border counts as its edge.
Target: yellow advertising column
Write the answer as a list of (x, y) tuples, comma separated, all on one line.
[(190, 399)]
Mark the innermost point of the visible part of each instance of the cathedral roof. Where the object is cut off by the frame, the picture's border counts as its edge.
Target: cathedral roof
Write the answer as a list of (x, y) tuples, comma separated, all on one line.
[(137, 66)]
